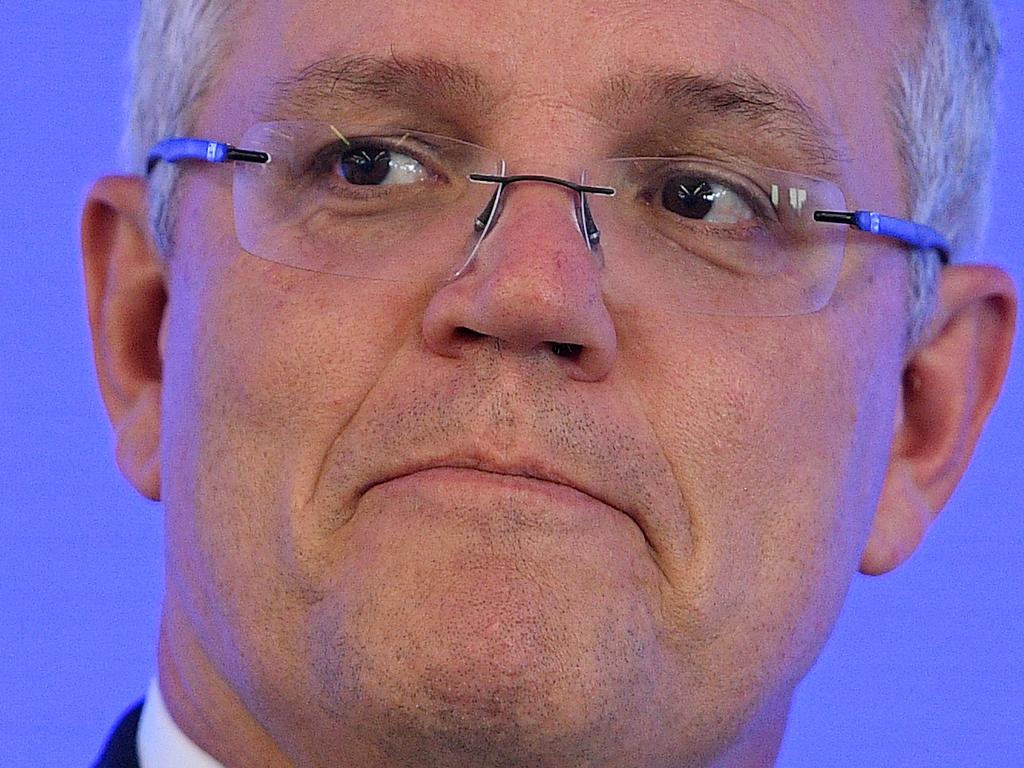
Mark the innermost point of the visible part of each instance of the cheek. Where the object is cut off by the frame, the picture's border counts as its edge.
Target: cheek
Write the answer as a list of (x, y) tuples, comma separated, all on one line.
[(755, 464), (777, 432), (264, 365), (278, 360)]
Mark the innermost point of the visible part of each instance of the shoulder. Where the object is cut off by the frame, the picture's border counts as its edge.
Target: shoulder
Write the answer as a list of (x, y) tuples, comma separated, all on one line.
[(119, 751)]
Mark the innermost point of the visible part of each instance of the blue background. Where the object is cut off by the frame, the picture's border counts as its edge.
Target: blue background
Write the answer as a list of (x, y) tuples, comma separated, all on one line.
[(926, 665)]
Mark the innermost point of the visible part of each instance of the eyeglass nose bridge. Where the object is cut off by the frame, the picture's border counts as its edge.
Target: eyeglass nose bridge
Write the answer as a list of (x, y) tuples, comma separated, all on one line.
[(585, 220)]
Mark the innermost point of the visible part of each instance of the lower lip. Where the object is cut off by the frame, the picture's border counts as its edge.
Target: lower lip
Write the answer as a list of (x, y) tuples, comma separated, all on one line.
[(460, 479), (491, 504)]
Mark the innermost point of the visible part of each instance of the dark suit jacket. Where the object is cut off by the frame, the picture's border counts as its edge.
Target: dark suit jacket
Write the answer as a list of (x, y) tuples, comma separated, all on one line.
[(120, 749)]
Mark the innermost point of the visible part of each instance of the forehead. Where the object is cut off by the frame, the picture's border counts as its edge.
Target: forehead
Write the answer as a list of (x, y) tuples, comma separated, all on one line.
[(538, 38), (566, 70)]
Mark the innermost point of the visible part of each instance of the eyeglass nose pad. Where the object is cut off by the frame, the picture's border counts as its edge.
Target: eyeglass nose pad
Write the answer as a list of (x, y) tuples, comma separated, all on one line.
[(588, 228), (585, 219), (484, 223), (485, 220)]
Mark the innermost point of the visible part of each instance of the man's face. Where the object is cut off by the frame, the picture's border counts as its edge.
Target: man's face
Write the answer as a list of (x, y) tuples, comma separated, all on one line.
[(401, 524)]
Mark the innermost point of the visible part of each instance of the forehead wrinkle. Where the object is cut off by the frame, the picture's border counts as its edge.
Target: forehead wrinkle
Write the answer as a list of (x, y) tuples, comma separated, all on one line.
[(676, 99), (391, 81)]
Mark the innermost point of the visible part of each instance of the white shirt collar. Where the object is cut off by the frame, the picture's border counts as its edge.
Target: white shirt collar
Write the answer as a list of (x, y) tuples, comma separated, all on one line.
[(161, 743)]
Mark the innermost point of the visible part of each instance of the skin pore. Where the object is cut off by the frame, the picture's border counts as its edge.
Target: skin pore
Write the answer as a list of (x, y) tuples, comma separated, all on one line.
[(403, 531)]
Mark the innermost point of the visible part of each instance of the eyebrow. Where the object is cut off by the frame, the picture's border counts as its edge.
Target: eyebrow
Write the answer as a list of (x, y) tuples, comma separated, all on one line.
[(415, 82), (451, 92), (771, 111)]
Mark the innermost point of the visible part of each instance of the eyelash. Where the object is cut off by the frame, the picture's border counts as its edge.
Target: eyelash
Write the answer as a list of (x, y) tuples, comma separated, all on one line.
[(324, 162), (755, 198)]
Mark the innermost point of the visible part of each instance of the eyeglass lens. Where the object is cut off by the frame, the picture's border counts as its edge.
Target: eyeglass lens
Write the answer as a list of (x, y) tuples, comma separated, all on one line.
[(696, 235)]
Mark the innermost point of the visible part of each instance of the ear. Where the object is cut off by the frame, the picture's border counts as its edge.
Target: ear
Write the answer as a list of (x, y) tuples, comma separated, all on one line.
[(950, 382), (126, 290)]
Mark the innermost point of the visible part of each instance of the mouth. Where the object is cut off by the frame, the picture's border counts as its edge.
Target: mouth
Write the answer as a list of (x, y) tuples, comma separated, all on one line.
[(587, 488), (507, 482), (518, 476)]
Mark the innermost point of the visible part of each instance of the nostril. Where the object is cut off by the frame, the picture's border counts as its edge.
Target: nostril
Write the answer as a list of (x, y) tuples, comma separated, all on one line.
[(468, 334), (564, 349)]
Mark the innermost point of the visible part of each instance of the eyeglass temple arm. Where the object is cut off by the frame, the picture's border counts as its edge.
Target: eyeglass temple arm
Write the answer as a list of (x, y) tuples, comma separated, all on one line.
[(181, 148), (909, 232)]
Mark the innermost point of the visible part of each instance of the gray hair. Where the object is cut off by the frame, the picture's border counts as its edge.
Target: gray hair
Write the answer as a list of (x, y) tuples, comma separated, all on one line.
[(943, 109), (179, 47), (941, 104)]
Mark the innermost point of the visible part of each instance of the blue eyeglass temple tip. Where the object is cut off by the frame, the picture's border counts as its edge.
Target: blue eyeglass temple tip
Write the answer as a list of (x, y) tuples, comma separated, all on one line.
[(177, 149), (909, 232)]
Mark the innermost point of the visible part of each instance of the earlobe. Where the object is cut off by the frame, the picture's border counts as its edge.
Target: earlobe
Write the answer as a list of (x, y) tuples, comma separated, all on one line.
[(900, 523), (126, 295), (950, 383)]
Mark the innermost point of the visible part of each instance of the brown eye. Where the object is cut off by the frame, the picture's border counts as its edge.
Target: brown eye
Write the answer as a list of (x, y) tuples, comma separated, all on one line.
[(688, 196), (700, 199), (365, 166), (378, 166)]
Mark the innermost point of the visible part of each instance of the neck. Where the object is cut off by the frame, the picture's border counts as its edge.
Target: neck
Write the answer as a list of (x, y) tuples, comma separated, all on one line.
[(203, 706)]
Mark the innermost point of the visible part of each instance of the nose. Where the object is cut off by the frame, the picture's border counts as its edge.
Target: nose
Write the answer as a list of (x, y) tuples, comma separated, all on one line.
[(533, 289)]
